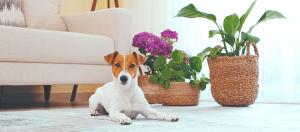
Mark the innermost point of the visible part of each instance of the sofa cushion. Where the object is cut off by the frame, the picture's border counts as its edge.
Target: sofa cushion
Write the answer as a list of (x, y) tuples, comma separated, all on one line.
[(45, 46), (43, 14), (14, 73), (11, 13)]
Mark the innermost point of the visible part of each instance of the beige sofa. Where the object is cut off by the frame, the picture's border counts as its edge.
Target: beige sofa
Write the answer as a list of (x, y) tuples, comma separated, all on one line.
[(43, 57)]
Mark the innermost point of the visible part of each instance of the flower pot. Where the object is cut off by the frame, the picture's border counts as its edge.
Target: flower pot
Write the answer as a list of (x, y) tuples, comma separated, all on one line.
[(234, 80), (150, 90), (180, 93)]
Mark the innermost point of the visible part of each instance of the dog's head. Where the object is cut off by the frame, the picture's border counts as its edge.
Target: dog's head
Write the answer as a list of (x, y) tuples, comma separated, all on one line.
[(124, 67)]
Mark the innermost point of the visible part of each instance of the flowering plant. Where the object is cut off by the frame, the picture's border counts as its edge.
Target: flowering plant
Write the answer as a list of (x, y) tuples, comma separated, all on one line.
[(158, 50), (153, 46)]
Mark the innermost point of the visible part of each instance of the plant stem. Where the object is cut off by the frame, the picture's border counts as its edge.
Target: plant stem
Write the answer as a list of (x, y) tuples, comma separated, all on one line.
[(222, 35)]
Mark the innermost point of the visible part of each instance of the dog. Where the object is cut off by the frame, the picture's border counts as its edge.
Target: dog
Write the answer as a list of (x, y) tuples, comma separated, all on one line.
[(122, 98)]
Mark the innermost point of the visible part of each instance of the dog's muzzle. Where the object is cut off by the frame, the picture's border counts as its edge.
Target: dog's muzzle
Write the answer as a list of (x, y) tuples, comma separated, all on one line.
[(123, 79)]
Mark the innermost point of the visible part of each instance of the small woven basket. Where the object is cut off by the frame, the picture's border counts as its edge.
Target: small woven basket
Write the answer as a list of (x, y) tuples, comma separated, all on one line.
[(150, 90), (180, 93), (234, 80)]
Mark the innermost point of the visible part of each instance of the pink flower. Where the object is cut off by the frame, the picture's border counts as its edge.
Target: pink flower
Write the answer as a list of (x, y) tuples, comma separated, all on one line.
[(142, 39), (170, 34), (153, 44)]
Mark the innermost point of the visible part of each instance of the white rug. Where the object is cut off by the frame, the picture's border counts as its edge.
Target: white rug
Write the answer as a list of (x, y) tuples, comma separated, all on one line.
[(207, 116)]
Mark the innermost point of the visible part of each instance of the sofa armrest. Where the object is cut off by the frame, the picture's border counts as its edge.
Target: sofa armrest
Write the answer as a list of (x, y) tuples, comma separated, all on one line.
[(116, 23)]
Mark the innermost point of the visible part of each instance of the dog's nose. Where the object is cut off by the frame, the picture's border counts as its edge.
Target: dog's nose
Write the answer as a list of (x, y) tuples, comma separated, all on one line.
[(123, 79)]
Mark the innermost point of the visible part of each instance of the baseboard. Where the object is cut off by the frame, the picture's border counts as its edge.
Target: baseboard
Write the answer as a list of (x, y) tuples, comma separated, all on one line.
[(38, 97)]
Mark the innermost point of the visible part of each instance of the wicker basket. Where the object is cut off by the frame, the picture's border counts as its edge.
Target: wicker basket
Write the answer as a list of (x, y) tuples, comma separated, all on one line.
[(234, 80), (150, 90), (179, 93)]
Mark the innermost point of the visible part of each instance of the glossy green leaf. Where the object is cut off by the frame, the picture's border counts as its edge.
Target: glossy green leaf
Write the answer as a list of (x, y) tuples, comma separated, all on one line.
[(166, 85), (194, 75), (269, 14), (159, 80), (152, 79), (191, 11), (186, 70), (177, 56), (159, 62), (231, 24), (170, 64), (245, 15), (252, 38), (202, 55), (229, 39), (202, 84), (214, 53), (177, 73), (166, 73), (180, 79), (187, 75), (212, 33), (202, 79), (192, 83), (195, 63)]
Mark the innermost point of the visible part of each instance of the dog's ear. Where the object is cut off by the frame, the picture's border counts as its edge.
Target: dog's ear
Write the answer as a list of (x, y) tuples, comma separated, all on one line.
[(109, 58), (140, 58)]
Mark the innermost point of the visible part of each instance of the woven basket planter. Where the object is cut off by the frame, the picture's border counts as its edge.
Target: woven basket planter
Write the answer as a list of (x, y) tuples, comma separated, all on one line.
[(150, 90), (180, 93), (234, 80)]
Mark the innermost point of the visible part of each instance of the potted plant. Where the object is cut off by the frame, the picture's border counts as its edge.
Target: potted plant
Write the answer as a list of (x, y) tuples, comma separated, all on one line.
[(152, 46), (234, 75), (171, 78)]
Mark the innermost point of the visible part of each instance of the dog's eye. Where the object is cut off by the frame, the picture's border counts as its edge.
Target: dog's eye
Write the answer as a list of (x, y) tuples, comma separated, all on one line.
[(132, 65), (117, 65)]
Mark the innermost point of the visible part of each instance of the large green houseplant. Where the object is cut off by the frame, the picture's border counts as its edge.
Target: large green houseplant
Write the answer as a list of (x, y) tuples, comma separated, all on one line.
[(231, 31), (234, 75)]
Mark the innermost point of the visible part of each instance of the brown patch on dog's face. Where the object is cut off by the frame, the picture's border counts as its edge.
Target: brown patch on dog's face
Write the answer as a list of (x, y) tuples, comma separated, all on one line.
[(131, 65), (132, 62), (118, 65), (116, 61)]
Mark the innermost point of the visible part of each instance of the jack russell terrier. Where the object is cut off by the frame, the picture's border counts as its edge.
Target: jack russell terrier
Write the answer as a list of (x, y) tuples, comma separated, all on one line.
[(122, 98)]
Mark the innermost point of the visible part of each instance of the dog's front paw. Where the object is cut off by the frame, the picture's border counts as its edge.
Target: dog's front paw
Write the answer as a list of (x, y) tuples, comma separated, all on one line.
[(169, 118), (94, 113), (125, 121)]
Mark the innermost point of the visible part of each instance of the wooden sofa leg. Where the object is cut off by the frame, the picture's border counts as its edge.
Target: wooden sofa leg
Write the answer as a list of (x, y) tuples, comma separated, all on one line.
[(1, 92), (47, 89), (73, 93)]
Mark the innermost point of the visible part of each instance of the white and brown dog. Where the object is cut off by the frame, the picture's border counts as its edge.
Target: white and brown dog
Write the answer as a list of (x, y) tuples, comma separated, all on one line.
[(122, 98)]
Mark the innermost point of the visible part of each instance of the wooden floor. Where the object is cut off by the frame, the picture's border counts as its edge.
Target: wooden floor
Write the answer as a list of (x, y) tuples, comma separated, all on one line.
[(26, 106)]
